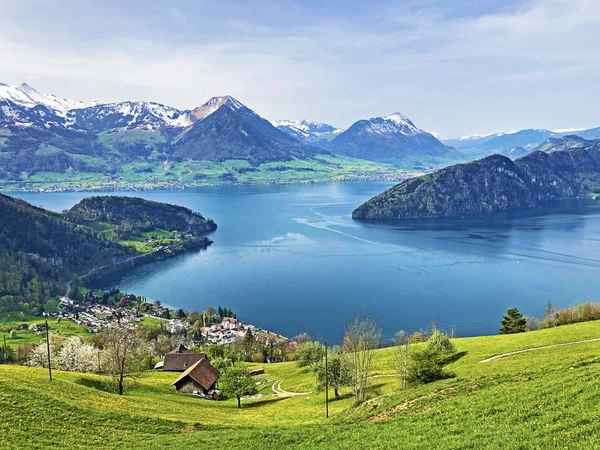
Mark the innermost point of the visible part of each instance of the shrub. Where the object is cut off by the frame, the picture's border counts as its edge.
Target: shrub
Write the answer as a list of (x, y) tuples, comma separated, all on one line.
[(426, 364), (309, 354), (583, 312)]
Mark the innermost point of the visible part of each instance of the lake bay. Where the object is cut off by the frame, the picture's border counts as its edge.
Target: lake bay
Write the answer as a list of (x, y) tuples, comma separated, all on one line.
[(290, 259)]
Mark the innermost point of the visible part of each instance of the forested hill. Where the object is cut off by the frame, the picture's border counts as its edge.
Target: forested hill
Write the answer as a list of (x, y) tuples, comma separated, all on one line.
[(567, 168), (140, 213), (40, 250)]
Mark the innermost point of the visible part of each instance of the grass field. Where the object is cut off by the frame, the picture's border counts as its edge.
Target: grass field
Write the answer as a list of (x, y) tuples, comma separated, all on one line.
[(9, 320), (157, 173), (542, 399)]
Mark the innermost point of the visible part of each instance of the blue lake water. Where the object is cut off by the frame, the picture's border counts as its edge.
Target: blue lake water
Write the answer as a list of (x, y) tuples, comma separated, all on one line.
[(291, 259)]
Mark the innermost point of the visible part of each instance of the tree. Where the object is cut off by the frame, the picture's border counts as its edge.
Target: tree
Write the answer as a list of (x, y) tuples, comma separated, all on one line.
[(38, 355), (361, 339), (121, 354), (426, 364), (249, 343), (237, 382), (338, 373), (310, 354), (402, 343), (513, 322), (76, 355)]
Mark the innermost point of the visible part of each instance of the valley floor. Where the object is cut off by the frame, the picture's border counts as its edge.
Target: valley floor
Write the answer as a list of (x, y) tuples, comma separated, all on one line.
[(145, 175), (548, 398)]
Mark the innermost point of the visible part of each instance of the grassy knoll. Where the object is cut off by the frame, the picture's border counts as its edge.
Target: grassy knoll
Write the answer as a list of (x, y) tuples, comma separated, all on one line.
[(542, 399), (9, 320)]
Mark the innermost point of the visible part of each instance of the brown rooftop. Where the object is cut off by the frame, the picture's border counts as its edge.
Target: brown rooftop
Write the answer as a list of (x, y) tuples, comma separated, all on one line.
[(181, 349), (202, 373)]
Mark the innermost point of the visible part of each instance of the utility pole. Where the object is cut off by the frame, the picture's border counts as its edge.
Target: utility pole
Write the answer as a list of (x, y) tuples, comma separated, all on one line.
[(48, 346), (5, 354), (326, 383)]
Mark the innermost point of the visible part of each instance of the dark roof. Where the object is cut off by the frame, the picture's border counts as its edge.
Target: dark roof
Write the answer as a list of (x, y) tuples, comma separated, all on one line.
[(202, 373), (178, 362), (181, 349)]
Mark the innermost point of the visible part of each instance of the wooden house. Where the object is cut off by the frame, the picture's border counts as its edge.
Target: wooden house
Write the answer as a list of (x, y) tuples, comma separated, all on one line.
[(199, 378), (180, 359)]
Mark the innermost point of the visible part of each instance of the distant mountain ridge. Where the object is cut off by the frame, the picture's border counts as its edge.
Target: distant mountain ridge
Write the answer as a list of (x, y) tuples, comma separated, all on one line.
[(503, 143), (568, 168), (309, 131), (44, 133), (387, 138)]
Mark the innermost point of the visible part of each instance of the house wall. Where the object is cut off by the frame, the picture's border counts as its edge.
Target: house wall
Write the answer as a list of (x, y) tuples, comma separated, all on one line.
[(188, 386)]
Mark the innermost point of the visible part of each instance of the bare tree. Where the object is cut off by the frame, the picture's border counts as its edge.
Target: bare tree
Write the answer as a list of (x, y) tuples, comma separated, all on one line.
[(362, 337), (402, 343), (121, 351)]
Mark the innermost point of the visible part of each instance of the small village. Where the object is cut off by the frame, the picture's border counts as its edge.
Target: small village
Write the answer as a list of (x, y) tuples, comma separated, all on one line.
[(95, 317)]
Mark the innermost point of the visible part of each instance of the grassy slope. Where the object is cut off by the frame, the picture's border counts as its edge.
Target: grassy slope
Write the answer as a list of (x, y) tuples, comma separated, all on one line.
[(9, 320), (543, 399)]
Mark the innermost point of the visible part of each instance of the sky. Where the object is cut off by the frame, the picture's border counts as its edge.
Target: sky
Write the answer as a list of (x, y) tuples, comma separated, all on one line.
[(455, 67)]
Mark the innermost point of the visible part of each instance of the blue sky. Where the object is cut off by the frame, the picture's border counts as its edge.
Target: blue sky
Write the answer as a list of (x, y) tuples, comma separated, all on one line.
[(456, 67)]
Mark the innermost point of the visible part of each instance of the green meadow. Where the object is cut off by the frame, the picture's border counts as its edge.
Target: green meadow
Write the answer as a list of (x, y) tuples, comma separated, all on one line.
[(543, 399), (156, 173)]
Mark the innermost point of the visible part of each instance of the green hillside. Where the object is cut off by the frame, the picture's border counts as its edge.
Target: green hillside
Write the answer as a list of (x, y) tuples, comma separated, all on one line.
[(541, 399)]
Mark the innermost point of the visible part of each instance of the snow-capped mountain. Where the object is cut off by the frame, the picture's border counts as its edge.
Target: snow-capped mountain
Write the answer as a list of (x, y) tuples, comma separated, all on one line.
[(38, 116), (387, 138), (41, 132), (226, 129), (28, 97), (308, 131), (148, 116)]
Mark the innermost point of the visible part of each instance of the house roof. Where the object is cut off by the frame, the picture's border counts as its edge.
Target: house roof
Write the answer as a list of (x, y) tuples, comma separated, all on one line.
[(178, 362), (202, 372), (181, 349)]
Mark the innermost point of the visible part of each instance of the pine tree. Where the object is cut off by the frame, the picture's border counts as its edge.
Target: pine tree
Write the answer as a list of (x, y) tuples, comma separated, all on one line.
[(513, 322)]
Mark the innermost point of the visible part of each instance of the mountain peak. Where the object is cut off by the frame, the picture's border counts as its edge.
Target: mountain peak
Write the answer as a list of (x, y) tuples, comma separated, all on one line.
[(25, 87), (401, 120), (215, 103)]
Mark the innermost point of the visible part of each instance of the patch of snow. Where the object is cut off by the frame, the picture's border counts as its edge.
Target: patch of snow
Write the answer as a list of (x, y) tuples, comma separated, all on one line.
[(29, 97)]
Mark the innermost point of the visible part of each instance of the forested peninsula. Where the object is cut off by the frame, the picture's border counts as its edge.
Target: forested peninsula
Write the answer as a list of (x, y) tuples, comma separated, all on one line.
[(41, 250), (567, 168)]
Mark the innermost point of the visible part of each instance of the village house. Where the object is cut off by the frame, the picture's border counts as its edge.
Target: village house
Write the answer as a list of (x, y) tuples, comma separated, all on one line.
[(180, 359), (229, 323), (200, 379)]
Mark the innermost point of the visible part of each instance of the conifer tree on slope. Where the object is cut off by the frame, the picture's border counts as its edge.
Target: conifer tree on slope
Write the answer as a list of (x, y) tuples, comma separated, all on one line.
[(513, 322)]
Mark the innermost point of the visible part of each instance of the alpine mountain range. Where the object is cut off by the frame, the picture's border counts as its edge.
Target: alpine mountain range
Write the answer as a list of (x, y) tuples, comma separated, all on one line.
[(42, 132)]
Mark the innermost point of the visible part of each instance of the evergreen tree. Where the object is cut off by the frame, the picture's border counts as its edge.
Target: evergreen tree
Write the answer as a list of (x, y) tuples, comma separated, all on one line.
[(513, 322)]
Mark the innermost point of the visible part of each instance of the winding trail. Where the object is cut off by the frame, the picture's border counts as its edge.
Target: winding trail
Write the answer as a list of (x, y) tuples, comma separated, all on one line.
[(280, 392), (537, 348)]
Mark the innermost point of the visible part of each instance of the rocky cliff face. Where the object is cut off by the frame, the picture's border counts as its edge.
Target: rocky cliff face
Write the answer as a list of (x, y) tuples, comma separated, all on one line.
[(495, 183)]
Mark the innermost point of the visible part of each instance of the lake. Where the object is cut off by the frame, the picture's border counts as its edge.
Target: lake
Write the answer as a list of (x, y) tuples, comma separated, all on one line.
[(291, 259)]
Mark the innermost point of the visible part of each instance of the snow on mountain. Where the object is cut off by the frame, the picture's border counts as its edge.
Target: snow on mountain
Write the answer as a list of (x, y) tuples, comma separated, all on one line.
[(307, 130), (29, 97), (387, 138), (212, 105), (129, 115)]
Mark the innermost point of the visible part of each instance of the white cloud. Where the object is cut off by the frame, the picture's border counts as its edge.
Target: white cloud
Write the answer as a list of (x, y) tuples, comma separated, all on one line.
[(457, 74)]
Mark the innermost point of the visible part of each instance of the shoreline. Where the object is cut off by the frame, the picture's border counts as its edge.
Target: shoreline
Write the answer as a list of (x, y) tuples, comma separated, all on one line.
[(185, 186)]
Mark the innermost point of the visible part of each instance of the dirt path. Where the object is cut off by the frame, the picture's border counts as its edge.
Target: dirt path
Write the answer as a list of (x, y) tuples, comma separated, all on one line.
[(278, 391), (537, 348)]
